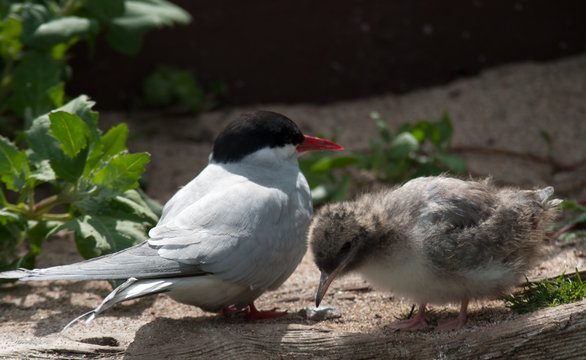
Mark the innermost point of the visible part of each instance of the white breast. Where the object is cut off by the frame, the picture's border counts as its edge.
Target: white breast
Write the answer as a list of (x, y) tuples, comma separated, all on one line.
[(211, 293), (417, 281)]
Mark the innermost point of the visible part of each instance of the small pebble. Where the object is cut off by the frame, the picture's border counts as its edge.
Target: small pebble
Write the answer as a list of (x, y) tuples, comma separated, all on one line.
[(320, 313)]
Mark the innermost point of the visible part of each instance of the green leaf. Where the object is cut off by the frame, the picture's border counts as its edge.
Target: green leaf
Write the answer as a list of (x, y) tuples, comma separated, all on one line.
[(135, 202), (82, 107), (124, 38), (122, 171), (42, 171), (105, 10), (454, 163), (427, 169), (440, 133), (97, 235), (330, 163), (13, 165), (59, 51), (375, 148), (49, 148), (402, 145), (578, 219), (161, 12), (110, 144), (383, 127), (125, 33), (319, 194), (70, 131), (69, 169), (32, 16), (11, 236), (114, 141), (10, 44), (167, 85), (35, 79), (39, 139), (155, 206), (572, 205), (6, 216), (57, 94), (37, 232), (61, 30), (331, 192), (396, 170), (313, 179), (342, 191), (420, 130)]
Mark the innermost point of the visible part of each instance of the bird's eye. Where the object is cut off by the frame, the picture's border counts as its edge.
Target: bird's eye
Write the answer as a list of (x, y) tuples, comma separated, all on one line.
[(346, 248), (344, 252)]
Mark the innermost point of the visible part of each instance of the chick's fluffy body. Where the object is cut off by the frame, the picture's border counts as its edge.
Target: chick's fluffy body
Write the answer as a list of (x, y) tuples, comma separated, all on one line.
[(436, 239)]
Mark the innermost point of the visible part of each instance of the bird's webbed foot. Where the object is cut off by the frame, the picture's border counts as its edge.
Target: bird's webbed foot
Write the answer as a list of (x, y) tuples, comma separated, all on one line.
[(415, 323)]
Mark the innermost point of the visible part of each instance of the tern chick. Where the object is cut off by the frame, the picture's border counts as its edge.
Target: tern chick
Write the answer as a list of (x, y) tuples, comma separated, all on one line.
[(235, 231), (434, 240)]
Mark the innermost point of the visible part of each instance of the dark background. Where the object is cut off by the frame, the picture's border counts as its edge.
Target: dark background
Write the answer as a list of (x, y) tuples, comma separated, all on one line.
[(322, 51)]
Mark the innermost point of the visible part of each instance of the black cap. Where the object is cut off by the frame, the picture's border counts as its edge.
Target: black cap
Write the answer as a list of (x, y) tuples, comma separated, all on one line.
[(253, 131)]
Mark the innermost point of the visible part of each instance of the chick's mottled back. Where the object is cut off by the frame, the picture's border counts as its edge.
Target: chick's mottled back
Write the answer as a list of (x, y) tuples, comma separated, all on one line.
[(435, 240)]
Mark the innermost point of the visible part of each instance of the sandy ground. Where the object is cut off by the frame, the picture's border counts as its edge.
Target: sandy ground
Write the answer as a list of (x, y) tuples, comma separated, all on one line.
[(502, 108)]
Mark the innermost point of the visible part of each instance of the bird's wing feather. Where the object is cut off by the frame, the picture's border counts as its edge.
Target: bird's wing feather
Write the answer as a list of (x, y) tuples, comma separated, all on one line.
[(449, 219), (454, 203), (140, 261), (245, 233), (468, 225)]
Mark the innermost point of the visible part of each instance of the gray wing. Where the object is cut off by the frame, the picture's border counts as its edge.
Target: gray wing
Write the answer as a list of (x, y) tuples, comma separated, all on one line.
[(141, 262), (245, 233), (451, 203), (470, 225), (450, 221)]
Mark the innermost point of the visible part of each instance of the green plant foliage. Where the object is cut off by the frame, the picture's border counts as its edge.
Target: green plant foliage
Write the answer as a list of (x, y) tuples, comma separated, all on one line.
[(62, 172), (168, 86), (548, 293), (126, 31), (13, 165), (574, 219), (577, 211), (421, 149), (94, 181), (35, 38)]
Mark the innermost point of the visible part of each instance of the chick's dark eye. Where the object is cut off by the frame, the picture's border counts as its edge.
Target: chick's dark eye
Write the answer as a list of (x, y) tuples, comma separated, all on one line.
[(344, 252), (346, 248)]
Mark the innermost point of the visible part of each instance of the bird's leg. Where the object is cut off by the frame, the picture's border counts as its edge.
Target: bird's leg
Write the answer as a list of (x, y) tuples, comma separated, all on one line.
[(457, 323), (233, 310), (253, 313), (417, 322)]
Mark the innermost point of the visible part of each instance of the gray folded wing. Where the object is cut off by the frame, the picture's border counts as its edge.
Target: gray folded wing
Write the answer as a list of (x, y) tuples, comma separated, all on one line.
[(246, 234), (140, 261)]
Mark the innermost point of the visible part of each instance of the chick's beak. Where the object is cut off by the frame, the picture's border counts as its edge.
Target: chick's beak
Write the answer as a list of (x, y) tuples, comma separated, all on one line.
[(324, 282), (313, 144), (326, 279)]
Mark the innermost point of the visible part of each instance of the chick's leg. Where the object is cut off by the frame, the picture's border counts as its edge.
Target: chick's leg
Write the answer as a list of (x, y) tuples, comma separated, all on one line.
[(457, 323), (417, 322)]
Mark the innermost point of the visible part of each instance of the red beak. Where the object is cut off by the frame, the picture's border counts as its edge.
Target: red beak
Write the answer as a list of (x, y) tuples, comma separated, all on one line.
[(313, 144)]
